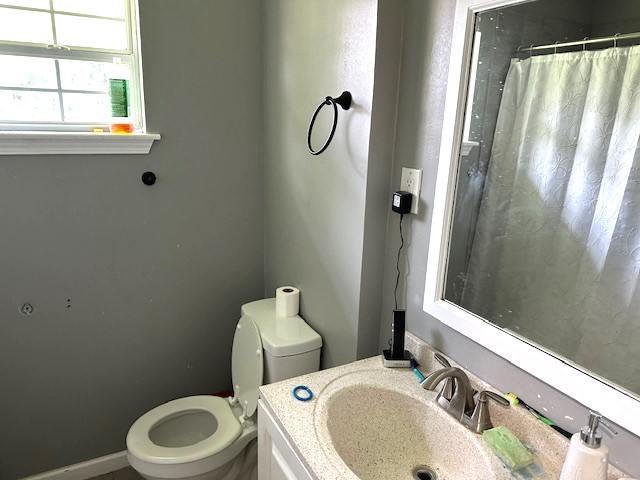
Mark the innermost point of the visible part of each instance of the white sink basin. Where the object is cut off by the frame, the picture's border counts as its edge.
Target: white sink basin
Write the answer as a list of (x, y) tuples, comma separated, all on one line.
[(370, 431), (370, 422)]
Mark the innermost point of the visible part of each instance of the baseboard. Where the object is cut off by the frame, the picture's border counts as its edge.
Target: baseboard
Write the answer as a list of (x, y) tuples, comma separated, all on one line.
[(88, 469)]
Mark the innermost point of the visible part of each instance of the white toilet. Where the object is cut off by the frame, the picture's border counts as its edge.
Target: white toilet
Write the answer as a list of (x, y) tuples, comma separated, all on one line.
[(212, 438)]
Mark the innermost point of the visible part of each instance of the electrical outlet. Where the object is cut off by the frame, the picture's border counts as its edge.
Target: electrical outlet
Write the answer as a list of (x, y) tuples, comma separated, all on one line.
[(411, 181)]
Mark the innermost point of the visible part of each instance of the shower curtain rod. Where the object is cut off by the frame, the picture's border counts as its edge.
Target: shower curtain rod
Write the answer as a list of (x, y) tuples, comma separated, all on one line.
[(585, 41)]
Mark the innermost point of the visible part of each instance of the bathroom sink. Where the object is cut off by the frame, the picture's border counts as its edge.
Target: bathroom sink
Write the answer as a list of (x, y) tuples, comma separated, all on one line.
[(377, 432)]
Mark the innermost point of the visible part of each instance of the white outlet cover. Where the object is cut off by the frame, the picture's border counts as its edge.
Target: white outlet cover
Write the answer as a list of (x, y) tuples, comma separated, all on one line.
[(411, 181)]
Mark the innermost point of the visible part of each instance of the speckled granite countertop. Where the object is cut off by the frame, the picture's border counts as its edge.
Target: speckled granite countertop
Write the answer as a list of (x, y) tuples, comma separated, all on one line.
[(310, 432)]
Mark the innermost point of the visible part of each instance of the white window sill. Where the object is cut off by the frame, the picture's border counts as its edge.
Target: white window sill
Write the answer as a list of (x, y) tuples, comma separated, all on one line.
[(59, 143), (467, 146)]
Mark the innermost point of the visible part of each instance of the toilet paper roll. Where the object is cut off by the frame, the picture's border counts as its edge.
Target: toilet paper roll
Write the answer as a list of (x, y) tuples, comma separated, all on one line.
[(287, 301)]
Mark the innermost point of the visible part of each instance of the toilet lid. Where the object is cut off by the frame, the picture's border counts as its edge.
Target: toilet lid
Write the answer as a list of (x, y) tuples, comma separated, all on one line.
[(247, 364)]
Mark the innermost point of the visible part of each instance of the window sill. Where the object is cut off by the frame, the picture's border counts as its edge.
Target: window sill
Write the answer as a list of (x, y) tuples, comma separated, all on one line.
[(85, 143), (466, 147)]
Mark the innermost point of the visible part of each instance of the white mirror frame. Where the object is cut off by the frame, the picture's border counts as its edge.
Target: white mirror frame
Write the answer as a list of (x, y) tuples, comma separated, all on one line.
[(594, 392)]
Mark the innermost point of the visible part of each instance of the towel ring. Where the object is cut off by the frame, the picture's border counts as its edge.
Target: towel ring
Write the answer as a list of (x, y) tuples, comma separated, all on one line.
[(344, 101)]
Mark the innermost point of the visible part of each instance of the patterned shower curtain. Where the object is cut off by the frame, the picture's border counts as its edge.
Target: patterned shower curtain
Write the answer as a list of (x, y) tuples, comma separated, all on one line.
[(556, 254)]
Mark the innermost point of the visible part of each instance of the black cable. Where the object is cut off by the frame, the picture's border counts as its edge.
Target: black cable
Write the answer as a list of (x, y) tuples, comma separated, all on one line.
[(395, 292)]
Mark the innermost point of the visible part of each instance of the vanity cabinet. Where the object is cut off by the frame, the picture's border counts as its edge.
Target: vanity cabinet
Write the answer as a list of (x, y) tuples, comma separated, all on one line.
[(277, 460)]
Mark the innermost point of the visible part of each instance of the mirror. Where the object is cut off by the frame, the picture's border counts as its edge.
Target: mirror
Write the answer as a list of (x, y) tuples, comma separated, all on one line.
[(540, 225)]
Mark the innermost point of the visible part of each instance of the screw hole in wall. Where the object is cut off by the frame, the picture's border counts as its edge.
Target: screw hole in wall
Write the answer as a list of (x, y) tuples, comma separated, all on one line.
[(26, 309)]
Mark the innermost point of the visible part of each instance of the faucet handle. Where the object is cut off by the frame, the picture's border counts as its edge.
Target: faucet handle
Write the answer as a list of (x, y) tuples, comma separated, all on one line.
[(442, 360), (448, 388), (480, 420)]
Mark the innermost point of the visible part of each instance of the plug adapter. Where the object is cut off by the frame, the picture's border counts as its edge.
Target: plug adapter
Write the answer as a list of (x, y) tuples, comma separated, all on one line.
[(401, 202)]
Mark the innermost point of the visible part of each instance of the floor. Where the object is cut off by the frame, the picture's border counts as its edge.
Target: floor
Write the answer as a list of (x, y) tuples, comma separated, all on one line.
[(123, 474)]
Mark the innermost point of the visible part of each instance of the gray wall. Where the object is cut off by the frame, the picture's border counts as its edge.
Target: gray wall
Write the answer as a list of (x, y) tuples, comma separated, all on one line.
[(137, 289), (326, 214), (615, 16), (427, 41)]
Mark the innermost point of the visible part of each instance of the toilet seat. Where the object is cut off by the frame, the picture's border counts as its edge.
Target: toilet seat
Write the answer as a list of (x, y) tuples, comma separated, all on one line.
[(228, 429)]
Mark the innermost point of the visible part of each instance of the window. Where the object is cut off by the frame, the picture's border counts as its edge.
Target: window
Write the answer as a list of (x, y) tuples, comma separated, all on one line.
[(55, 60)]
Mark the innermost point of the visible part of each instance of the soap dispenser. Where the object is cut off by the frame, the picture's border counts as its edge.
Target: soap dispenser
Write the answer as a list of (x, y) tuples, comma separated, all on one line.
[(588, 457)]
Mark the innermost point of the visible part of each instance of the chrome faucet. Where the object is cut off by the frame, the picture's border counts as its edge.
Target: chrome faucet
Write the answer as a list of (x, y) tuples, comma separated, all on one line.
[(460, 405), (447, 389), (461, 401)]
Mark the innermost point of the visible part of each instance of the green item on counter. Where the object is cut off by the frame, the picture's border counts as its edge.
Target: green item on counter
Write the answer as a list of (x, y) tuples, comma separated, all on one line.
[(507, 446)]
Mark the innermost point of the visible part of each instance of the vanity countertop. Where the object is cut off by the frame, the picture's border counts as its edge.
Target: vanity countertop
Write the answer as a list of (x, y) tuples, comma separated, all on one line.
[(299, 420)]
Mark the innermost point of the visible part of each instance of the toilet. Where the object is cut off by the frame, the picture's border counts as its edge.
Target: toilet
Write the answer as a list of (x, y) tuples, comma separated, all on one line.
[(204, 437)]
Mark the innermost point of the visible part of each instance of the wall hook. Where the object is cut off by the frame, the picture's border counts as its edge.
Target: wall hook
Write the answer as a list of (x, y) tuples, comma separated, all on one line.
[(149, 178)]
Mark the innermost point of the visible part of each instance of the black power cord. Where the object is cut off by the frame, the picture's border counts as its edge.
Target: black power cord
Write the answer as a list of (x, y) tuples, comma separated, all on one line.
[(395, 291)]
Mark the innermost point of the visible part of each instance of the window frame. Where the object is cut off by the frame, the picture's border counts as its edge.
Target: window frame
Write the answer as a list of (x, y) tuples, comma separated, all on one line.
[(20, 133)]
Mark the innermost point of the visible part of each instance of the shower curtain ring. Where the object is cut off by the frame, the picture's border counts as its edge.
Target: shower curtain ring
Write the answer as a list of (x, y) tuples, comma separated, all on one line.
[(555, 49), (518, 52), (584, 44), (615, 39), (531, 50)]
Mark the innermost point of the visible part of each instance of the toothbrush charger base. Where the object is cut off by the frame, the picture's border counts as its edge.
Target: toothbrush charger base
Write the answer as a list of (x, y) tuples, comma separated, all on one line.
[(391, 362)]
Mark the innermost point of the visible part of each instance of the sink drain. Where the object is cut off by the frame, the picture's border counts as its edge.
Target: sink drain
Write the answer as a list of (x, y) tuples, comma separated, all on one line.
[(422, 472)]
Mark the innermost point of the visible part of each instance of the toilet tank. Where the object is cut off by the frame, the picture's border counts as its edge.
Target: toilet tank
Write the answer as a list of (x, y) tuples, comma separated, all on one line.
[(291, 347)]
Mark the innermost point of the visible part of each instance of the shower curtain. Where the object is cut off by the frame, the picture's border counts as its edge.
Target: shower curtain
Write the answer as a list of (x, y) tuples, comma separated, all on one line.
[(556, 254)]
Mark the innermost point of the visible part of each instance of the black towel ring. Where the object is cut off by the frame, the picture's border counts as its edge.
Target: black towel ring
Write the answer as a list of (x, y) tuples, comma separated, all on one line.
[(344, 101)]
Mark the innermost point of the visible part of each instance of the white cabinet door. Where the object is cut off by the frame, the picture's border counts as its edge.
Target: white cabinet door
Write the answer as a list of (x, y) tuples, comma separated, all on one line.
[(276, 458)]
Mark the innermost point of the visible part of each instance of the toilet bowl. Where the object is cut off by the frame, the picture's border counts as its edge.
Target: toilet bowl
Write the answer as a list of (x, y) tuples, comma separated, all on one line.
[(199, 438), (204, 437)]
